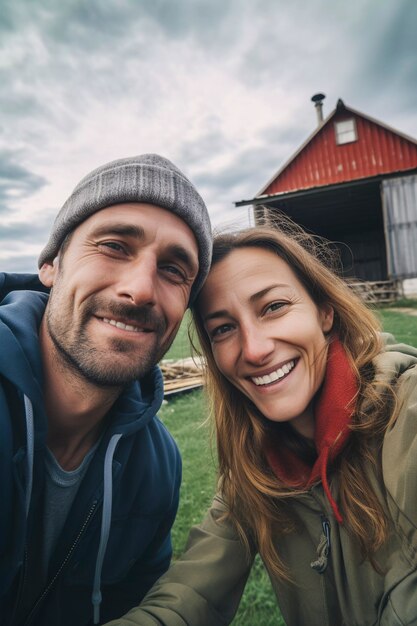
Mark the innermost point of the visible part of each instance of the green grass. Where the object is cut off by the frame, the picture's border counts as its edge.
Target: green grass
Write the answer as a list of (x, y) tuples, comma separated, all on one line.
[(402, 326), (180, 349), (408, 303), (184, 417)]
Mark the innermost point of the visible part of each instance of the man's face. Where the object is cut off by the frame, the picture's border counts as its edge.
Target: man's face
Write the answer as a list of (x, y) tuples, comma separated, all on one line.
[(119, 292)]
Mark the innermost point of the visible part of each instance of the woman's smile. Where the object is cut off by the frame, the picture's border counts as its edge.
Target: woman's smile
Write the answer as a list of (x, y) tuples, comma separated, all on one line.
[(277, 374)]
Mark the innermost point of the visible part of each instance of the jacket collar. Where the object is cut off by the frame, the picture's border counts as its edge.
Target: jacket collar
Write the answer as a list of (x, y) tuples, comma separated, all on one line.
[(334, 407)]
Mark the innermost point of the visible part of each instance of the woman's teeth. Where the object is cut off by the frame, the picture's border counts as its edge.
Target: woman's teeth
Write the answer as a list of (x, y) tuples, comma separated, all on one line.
[(273, 376)]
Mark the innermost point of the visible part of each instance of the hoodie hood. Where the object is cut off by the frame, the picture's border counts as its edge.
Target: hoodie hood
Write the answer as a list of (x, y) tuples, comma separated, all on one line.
[(22, 304), (17, 282), (395, 359)]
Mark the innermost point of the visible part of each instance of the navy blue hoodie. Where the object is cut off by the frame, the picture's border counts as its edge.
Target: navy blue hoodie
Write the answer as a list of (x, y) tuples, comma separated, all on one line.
[(116, 541)]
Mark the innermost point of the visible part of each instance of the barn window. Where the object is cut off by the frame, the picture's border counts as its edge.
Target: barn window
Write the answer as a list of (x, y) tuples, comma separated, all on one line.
[(346, 132)]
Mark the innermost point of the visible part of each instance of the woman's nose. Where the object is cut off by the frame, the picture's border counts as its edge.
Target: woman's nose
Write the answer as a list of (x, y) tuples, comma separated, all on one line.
[(256, 346)]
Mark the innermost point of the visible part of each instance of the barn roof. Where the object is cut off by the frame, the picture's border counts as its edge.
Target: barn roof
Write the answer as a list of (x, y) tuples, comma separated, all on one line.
[(379, 149)]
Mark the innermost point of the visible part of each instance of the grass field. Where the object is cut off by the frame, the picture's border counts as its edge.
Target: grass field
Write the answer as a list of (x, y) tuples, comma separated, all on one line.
[(184, 417), (180, 349), (403, 327)]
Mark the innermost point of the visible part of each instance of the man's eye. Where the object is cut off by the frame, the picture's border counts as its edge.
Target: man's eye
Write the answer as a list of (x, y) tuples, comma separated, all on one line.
[(113, 245), (175, 273)]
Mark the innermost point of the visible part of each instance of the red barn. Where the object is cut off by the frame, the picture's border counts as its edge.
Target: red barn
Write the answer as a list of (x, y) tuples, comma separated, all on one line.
[(354, 182)]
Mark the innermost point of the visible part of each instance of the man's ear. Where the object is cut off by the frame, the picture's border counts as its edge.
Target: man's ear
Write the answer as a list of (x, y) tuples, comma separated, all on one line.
[(48, 272)]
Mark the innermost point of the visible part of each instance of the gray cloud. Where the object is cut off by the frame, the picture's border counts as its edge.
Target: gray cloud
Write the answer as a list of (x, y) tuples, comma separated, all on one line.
[(28, 232), (211, 141), (245, 170), (16, 182), (96, 26), (389, 70), (7, 22), (20, 263), (223, 86), (17, 236)]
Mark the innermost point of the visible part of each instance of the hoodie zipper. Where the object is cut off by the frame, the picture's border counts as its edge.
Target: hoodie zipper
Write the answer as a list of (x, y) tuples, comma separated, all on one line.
[(22, 583), (62, 566)]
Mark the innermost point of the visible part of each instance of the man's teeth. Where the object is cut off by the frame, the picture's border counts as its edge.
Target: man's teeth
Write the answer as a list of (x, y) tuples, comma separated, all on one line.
[(123, 326), (279, 373)]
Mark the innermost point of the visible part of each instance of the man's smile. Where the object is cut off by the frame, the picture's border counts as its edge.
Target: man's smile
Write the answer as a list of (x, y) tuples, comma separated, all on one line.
[(126, 326)]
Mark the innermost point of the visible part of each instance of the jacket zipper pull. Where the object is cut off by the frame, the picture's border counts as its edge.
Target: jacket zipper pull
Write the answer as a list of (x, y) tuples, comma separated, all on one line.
[(323, 549)]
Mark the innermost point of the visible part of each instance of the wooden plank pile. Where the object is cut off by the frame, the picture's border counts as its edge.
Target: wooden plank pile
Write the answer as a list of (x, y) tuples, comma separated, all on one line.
[(377, 292), (181, 375)]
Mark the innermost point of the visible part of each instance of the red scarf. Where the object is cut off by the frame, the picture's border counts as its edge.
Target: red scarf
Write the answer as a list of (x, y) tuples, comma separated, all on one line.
[(332, 413)]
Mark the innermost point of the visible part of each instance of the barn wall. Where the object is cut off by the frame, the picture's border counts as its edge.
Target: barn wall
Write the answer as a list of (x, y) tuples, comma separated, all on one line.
[(399, 197), (322, 162)]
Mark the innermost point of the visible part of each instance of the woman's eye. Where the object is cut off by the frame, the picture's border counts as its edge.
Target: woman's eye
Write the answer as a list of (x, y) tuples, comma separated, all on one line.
[(220, 330), (274, 306)]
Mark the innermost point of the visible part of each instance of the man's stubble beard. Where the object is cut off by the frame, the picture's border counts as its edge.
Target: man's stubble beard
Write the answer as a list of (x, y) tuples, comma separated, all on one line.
[(101, 366)]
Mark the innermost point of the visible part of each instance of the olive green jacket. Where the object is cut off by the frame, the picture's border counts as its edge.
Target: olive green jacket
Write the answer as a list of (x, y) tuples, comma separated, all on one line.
[(333, 586)]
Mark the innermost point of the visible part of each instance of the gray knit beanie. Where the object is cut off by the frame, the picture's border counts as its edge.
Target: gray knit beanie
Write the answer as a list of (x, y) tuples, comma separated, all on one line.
[(147, 178)]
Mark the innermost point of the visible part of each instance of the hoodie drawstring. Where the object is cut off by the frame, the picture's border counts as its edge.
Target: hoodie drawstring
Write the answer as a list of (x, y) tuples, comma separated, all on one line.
[(323, 549), (105, 524), (107, 499), (30, 445), (323, 476)]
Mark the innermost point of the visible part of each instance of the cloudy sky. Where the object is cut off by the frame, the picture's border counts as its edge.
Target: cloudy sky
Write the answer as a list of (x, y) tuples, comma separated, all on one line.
[(221, 87)]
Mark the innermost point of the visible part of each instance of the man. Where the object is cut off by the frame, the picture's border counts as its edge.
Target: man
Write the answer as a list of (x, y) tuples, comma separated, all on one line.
[(89, 475)]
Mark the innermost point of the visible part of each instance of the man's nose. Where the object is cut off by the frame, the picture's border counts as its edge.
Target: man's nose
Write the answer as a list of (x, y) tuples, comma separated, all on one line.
[(256, 345), (138, 282)]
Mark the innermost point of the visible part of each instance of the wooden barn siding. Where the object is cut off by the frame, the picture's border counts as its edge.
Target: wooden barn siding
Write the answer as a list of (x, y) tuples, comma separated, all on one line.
[(323, 162)]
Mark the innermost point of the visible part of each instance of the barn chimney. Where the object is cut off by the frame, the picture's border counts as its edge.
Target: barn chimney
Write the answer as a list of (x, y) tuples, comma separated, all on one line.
[(318, 103)]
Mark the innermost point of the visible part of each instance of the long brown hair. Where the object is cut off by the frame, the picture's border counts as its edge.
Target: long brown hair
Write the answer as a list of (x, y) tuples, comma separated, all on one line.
[(256, 498)]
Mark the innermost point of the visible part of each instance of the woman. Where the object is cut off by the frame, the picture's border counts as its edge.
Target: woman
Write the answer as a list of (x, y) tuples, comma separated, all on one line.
[(316, 426)]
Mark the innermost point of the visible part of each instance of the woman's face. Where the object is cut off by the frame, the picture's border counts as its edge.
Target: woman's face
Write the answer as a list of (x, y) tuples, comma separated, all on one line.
[(267, 334)]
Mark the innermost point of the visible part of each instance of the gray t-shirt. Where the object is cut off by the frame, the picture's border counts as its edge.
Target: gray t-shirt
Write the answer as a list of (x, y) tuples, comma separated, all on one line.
[(60, 490)]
